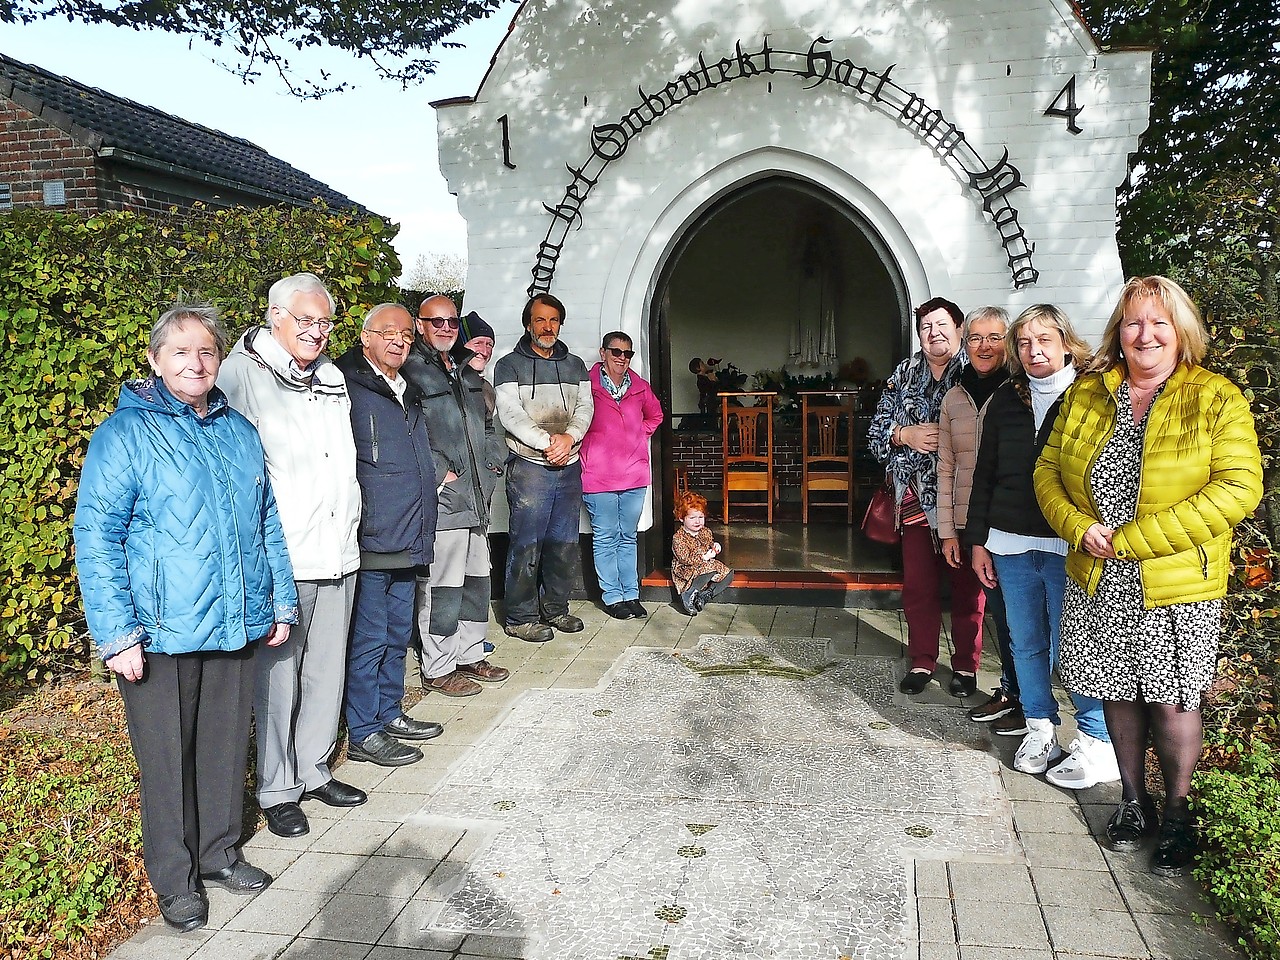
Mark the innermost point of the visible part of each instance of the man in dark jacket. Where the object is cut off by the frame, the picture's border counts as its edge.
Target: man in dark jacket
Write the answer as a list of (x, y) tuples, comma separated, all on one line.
[(397, 532), (545, 405), (453, 617)]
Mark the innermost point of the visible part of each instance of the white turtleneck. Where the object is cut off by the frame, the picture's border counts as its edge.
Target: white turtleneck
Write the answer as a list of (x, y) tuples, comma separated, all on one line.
[(1045, 390)]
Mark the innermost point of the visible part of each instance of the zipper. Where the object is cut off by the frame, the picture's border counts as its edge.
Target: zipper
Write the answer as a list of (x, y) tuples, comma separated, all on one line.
[(373, 436)]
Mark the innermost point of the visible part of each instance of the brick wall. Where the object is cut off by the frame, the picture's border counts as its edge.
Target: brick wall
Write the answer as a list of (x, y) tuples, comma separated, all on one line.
[(32, 152)]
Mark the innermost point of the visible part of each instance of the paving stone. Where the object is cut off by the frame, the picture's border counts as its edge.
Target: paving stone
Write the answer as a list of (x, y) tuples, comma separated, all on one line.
[(992, 923), (264, 839), (1075, 930), (355, 917), (1185, 938), (935, 951), (305, 949), (386, 805), (411, 929), (1144, 892), (936, 921), (424, 837), (1057, 886), (1004, 953), (319, 872), (931, 879), (1022, 786), (241, 945), (398, 877), (361, 837), (407, 953), (478, 945), (1061, 850), (280, 911), (157, 941), (223, 905), (1036, 816), (999, 882)]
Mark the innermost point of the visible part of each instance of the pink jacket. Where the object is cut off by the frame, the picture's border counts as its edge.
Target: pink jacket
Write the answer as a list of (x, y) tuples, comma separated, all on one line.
[(615, 450)]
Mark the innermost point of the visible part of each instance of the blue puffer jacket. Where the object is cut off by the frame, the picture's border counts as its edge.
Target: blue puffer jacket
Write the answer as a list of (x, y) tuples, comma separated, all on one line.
[(178, 543)]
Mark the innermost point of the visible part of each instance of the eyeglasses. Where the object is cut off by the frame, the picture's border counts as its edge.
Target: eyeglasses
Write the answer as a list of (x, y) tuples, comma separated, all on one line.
[(976, 339), (323, 324), (441, 322), (403, 335), (624, 354)]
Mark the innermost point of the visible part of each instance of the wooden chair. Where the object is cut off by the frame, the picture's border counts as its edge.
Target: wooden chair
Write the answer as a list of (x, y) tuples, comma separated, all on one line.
[(748, 449), (826, 446)]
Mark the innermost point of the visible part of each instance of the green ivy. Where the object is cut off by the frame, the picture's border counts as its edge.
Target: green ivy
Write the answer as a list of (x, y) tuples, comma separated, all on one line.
[(77, 299)]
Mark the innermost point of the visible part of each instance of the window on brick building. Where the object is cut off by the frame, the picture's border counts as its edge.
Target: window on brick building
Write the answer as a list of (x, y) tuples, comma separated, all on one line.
[(6, 197), (55, 193)]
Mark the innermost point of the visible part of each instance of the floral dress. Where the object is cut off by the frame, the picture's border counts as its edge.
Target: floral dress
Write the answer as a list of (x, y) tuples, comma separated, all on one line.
[(1112, 647)]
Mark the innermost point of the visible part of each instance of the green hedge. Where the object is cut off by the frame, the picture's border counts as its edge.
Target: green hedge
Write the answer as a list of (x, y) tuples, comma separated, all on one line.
[(77, 299)]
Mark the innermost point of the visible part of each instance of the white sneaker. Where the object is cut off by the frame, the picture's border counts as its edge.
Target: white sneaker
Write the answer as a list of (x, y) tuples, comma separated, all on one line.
[(1039, 747), (1092, 761)]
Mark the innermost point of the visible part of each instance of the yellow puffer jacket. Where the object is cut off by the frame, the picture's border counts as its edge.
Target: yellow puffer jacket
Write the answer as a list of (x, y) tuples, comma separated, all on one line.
[(1201, 475)]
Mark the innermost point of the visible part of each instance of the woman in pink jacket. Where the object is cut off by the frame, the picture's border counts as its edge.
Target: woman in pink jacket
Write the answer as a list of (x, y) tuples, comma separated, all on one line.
[(616, 473)]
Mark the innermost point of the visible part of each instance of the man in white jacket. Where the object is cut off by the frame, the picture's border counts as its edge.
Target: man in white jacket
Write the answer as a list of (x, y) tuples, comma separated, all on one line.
[(278, 376)]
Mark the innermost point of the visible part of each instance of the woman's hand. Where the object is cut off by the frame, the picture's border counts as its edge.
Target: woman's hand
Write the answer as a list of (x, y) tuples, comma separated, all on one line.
[(984, 567), (278, 634), (922, 437), (951, 551), (1097, 542), (128, 663)]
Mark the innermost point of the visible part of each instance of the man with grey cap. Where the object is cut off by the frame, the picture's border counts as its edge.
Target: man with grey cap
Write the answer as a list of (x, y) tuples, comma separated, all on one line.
[(453, 615), (278, 376)]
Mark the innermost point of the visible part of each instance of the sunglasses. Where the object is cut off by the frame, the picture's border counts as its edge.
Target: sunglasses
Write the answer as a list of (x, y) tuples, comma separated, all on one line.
[(441, 322), (618, 352)]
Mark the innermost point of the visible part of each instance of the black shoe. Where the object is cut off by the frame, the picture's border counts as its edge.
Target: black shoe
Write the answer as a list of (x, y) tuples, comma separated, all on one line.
[(637, 611), (915, 681), (383, 750), (1176, 849), (286, 819), (1132, 823), (565, 623), (407, 728), (185, 911), (962, 685), (240, 877), (337, 794), (619, 611)]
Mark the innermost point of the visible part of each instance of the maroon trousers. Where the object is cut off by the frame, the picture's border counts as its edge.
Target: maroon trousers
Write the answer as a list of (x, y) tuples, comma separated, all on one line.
[(923, 569)]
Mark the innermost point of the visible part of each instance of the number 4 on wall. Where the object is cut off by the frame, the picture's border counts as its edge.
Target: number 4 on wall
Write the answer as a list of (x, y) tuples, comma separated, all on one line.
[(1069, 110)]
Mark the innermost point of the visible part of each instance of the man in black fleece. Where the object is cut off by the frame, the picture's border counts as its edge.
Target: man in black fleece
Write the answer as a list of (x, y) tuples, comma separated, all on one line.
[(545, 406)]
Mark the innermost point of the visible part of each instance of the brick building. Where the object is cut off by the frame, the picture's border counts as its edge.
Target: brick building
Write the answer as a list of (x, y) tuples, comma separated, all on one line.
[(74, 147)]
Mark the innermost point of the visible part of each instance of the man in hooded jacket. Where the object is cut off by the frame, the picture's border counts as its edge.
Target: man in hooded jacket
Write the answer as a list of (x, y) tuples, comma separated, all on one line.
[(545, 406)]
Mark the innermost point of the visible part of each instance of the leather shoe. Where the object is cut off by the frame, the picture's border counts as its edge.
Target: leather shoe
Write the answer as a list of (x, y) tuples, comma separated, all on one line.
[(637, 611), (185, 911), (532, 632), (453, 684), (383, 750), (240, 877), (915, 681), (620, 610), (963, 685), (484, 670), (337, 794), (565, 623), (407, 728), (286, 819)]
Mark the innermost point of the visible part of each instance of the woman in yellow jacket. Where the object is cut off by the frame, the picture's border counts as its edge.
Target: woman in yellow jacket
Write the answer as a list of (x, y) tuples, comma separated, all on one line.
[(1151, 462)]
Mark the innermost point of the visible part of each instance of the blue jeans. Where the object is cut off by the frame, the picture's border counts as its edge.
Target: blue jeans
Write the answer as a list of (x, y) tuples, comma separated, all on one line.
[(1008, 672), (543, 563), (381, 625), (614, 519), (1033, 584)]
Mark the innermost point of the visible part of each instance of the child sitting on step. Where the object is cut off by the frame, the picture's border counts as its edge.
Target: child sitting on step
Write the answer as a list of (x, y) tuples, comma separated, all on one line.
[(698, 575)]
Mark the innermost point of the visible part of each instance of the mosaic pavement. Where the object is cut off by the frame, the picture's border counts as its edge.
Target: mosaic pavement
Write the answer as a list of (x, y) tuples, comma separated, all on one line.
[(748, 797)]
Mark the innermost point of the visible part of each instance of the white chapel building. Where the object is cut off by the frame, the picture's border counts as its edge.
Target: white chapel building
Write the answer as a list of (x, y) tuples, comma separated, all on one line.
[(778, 182)]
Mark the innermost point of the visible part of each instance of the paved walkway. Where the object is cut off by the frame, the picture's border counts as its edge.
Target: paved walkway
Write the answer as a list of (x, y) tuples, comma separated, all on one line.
[(745, 784)]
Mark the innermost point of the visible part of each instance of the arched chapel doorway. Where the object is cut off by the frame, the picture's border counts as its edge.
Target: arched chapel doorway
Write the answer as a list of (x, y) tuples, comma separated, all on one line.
[(778, 274)]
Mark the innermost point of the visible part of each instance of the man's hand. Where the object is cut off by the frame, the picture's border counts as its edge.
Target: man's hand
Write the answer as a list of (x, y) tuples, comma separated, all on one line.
[(922, 437), (278, 634), (128, 663), (951, 551), (984, 567), (559, 449)]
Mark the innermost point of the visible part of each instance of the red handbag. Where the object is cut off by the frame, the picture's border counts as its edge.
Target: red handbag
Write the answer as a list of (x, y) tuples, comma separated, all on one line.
[(881, 521)]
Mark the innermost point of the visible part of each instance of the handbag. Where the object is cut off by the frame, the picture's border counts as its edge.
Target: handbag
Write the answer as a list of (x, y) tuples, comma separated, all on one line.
[(881, 520)]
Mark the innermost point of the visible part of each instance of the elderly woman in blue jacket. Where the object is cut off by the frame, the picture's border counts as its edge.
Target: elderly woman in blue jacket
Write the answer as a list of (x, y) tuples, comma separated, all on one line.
[(183, 568)]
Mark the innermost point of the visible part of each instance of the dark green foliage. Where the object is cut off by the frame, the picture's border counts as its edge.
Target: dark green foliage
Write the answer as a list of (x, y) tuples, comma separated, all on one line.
[(77, 299)]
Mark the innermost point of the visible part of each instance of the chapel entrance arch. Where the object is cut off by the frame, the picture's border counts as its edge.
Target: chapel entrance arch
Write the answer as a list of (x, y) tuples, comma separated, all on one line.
[(778, 272)]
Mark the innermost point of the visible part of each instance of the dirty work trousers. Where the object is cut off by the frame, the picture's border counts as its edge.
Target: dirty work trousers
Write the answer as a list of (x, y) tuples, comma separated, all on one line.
[(543, 563)]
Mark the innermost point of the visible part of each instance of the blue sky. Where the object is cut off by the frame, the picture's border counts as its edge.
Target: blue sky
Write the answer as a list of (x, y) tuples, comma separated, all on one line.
[(376, 144)]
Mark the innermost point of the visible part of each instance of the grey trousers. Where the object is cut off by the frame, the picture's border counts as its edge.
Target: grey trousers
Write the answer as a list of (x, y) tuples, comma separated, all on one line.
[(454, 614), (189, 725), (299, 693)]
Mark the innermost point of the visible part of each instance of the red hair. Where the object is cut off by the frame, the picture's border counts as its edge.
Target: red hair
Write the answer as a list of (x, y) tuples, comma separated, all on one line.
[(687, 501)]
